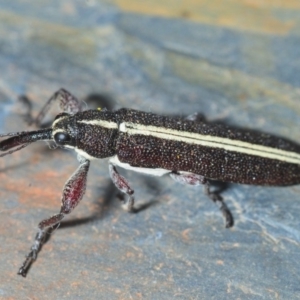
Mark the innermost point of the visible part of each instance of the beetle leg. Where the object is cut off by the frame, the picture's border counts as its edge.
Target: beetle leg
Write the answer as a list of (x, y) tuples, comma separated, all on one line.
[(67, 103), (194, 179), (72, 194), (122, 184)]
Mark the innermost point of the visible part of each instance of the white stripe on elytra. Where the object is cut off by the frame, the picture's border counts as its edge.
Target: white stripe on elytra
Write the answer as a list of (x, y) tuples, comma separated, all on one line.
[(150, 171), (210, 141), (102, 123)]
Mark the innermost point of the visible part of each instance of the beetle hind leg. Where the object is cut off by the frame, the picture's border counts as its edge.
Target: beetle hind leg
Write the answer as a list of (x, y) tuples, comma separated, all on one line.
[(194, 179)]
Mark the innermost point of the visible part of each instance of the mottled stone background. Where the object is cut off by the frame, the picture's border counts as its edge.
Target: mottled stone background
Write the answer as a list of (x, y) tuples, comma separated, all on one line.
[(237, 62)]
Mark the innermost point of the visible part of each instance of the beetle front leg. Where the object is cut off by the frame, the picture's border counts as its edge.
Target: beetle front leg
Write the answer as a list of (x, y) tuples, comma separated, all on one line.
[(67, 103), (122, 184), (194, 179), (73, 192)]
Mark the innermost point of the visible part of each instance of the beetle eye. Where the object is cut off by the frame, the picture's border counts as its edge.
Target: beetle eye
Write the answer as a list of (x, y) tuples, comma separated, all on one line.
[(62, 138)]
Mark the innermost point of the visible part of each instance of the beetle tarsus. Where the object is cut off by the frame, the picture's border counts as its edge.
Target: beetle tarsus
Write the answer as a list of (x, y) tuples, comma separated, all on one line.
[(217, 198), (32, 255), (30, 258)]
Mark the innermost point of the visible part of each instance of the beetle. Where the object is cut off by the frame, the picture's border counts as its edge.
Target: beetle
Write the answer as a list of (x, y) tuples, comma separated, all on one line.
[(191, 151)]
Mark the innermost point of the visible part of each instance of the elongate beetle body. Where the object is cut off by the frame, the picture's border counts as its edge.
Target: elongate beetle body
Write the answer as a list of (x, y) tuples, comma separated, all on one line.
[(190, 151)]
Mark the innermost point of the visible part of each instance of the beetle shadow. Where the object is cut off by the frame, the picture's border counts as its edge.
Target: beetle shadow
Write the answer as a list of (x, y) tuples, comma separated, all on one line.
[(13, 167), (151, 184), (102, 208), (99, 101), (111, 192)]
